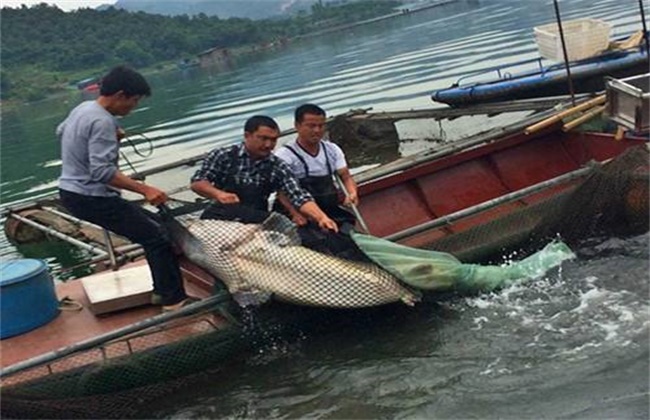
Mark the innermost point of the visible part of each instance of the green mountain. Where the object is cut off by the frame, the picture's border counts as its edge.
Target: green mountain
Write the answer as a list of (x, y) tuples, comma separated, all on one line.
[(45, 49)]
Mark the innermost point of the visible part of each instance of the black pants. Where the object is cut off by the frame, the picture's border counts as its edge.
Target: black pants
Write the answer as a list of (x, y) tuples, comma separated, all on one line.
[(129, 220)]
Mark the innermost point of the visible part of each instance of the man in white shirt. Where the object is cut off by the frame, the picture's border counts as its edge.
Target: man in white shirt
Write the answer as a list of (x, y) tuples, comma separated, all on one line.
[(316, 162)]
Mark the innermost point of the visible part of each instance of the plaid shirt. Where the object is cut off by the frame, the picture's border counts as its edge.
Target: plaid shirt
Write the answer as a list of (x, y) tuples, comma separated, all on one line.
[(221, 163)]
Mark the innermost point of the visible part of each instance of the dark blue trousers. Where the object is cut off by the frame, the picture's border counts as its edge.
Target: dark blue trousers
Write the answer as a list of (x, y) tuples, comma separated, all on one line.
[(129, 220)]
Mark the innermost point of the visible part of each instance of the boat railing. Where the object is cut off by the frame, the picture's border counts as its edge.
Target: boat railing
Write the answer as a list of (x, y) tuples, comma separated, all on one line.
[(464, 144), (116, 255), (487, 205), (363, 113), (46, 359), (500, 70), (506, 75), (110, 250)]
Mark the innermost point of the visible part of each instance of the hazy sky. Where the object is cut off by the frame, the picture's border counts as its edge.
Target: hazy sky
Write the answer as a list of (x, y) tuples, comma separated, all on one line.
[(66, 5)]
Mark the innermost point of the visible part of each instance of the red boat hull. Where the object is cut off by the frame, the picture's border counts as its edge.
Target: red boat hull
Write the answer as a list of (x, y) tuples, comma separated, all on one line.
[(438, 188)]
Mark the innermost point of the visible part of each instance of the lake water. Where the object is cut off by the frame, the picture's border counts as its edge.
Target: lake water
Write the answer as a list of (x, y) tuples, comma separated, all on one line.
[(573, 344)]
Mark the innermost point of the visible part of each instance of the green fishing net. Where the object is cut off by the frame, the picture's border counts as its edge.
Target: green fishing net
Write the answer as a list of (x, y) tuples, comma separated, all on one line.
[(440, 271)]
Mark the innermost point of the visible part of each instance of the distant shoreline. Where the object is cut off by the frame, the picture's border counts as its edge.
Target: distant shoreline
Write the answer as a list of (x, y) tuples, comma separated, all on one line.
[(402, 12), (11, 104)]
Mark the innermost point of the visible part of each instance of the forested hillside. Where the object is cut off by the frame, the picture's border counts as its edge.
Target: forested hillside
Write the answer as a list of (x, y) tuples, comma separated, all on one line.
[(43, 48), (253, 9)]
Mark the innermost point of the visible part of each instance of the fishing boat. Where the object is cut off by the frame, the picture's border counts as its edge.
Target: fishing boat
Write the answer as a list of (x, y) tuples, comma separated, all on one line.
[(88, 84), (499, 84), (476, 197)]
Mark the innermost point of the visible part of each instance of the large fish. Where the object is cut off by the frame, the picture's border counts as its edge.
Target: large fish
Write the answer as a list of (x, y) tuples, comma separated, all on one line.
[(256, 261)]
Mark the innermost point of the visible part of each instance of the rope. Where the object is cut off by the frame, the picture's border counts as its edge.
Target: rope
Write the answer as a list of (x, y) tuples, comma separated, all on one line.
[(443, 133), (137, 174), (69, 304), (135, 148)]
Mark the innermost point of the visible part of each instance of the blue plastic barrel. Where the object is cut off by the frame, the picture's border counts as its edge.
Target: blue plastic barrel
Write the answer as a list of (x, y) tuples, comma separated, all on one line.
[(27, 296)]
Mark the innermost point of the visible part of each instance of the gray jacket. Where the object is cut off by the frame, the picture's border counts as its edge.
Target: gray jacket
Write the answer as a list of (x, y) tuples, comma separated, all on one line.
[(89, 150)]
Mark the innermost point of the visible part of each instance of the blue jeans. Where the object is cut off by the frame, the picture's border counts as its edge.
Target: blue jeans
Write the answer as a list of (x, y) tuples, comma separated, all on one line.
[(129, 220)]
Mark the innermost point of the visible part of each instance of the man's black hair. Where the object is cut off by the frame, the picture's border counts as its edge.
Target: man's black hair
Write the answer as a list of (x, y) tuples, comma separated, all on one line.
[(312, 109), (257, 121), (125, 79)]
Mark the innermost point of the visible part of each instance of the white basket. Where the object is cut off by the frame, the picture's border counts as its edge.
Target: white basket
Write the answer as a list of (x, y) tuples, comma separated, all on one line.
[(583, 38)]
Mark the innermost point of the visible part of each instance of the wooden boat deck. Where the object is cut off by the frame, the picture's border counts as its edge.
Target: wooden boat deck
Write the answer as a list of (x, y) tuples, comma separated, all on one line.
[(73, 326)]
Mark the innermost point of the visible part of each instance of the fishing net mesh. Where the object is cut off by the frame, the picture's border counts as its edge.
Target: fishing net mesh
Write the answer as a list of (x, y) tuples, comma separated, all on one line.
[(257, 261), (85, 385), (614, 198), (111, 380), (611, 199)]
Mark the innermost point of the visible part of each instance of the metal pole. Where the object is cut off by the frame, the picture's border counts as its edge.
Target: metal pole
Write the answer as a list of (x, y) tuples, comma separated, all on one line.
[(90, 248), (110, 249), (566, 56), (645, 29), (122, 258), (122, 248), (492, 135), (69, 217), (445, 220), (355, 210)]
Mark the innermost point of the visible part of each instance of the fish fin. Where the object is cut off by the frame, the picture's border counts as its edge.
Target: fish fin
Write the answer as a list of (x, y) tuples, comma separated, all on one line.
[(410, 300)]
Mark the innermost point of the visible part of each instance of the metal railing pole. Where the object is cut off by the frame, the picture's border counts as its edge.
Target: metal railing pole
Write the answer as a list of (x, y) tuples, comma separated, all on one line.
[(566, 56), (110, 249), (90, 248)]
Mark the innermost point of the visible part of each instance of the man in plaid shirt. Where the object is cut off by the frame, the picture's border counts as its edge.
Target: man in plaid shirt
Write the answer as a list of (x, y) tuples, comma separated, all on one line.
[(241, 178)]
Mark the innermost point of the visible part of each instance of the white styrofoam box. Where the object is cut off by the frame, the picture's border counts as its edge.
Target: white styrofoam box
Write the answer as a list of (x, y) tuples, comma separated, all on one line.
[(584, 38), (116, 290)]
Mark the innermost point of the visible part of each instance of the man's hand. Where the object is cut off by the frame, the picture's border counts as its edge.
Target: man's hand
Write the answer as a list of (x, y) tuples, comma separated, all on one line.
[(351, 199), (154, 196), (225, 197), (326, 223), (299, 219), (120, 133), (311, 210), (151, 194)]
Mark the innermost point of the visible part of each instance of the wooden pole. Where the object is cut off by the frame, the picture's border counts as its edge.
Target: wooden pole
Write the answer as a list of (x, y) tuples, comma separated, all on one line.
[(355, 209), (566, 56), (583, 118), (598, 100)]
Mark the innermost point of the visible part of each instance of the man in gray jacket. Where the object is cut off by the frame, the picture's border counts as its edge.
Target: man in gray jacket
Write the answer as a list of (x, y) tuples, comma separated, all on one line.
[(91, 181)]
